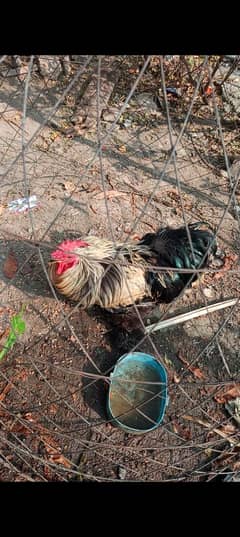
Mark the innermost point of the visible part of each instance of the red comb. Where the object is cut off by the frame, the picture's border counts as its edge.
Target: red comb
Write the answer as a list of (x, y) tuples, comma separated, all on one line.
[(65, 254), (68, 247)]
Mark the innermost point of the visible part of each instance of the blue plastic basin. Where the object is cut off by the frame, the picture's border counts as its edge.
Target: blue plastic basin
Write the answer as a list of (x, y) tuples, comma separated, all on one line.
[(137, 396)]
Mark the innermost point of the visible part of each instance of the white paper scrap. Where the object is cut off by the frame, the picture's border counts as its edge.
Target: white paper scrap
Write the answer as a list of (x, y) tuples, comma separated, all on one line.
[(23, 204)]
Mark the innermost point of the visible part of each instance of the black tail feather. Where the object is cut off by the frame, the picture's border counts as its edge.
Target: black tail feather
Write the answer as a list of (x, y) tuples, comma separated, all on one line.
[(171, 248)]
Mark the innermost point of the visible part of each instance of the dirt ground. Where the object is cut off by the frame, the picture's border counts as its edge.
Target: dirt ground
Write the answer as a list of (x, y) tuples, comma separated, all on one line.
[(52, 416)]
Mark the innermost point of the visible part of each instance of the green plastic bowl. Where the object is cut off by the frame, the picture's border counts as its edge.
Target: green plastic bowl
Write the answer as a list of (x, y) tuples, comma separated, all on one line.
[(137, 396)]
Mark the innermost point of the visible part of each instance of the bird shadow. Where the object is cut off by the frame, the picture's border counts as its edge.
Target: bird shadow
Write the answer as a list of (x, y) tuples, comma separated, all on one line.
[(117, 341), (22, 267), (24, 263)]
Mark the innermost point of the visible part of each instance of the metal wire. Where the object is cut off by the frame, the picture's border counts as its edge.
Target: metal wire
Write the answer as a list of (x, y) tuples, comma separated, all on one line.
[(64, 432)]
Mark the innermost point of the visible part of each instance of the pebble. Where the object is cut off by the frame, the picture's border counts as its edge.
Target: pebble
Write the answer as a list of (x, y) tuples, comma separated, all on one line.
[(237, 210), (122, 473), (109, 115), (208, 292), (147, 100), (217, 263), (220, 253), (127, 123)]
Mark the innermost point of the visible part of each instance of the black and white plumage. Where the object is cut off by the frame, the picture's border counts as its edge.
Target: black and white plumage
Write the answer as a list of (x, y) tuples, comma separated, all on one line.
[(94, 271)]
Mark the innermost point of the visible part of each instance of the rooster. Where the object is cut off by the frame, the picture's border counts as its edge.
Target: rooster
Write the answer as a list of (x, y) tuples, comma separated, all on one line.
[(114, 276)]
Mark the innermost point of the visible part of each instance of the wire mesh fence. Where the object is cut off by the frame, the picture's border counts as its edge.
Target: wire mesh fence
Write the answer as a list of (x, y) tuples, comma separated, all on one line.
[(117, 147)]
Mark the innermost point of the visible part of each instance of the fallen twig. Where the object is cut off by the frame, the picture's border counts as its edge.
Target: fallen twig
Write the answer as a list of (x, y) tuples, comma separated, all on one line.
[(183, 317), (226, 436)]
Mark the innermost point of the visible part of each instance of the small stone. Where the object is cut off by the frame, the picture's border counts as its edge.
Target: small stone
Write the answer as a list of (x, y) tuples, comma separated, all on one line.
[(122, 473), (208, 292), (147, 100), (220, 254), (109, 117), (237, 210), (109, 114), (49, 66), (217, 263), (224, 173), (127, 123)]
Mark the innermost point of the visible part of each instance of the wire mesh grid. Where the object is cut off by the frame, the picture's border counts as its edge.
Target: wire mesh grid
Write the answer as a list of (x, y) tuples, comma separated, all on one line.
[(116, 147)]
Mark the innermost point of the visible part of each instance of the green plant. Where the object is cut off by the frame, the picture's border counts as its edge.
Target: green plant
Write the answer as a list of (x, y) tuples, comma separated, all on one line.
[(18, 327)]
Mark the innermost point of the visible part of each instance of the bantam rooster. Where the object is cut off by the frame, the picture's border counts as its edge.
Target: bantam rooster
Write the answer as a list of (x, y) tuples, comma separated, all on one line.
[(114, 276)]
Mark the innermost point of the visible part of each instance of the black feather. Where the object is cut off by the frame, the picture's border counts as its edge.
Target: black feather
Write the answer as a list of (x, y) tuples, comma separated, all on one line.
[(171, 248)]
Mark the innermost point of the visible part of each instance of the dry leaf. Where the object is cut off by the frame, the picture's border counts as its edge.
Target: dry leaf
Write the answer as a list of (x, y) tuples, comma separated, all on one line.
[(196, 371), (122, 149), (30, 417), (69, 186), (230, 258), (48, 473), (110, 194), (175, 428), (2, 208), (23, 375), (229, 261), (10, 385), (218, 275), (220, 432), (21, 428), (182, 431), (204, 391), (208, 452), (231, 393), (5, 391), (60, 459), (168, 362), (183, 360), (93, 210), (228, 428), (90, 188), (54, 135), (208, 90), (176, 378), (15, 119), (5, 333), (74, 396), (53, 451), (136, 237), (219, 399), (53, 408), (10, 266)]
